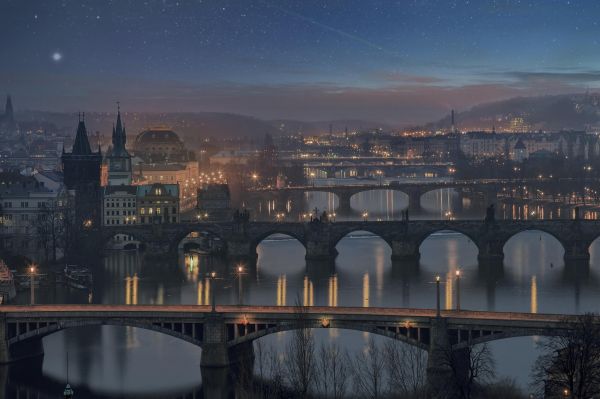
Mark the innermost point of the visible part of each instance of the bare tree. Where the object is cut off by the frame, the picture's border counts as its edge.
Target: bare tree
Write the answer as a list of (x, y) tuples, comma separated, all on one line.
[(370, 372), (333, 371), (571, 362), (300, 356), (470, 367), (270, 372), (407, 369)]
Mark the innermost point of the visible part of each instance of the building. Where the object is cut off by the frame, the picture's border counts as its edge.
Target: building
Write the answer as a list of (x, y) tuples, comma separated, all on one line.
[(160, 144), (118, 159), (520, 151), (163, 159), (158, 203), (119, 205), (214, 202), (32, 213), (231, 157), (81, 169)]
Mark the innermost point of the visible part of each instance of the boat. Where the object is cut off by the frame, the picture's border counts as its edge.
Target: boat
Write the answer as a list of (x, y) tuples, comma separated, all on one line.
[(78, 277), (7, 283)]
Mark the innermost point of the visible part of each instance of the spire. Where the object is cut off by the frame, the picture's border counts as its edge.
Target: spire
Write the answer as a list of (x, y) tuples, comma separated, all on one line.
[(119, 137), (82, 144), (8, 109)]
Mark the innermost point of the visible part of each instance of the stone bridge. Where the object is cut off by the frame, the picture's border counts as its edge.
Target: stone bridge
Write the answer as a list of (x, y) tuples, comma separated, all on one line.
[(404, 238), (488, 188), (226, 333)]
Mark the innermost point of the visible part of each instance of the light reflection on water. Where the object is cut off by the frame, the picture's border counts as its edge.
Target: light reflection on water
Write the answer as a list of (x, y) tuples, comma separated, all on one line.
[(110, 360)]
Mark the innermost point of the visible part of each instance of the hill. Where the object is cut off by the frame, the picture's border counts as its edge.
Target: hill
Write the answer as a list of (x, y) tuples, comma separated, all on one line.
[(557, 112)]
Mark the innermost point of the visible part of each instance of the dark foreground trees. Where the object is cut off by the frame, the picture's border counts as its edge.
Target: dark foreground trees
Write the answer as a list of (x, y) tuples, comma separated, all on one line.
[(570, 364)]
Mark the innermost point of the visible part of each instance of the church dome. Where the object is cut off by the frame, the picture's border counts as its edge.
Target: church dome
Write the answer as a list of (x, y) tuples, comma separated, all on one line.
[(158, 141)]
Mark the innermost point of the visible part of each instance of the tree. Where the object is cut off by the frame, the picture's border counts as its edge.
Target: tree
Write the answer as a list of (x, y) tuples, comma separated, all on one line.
[(50, 226), (571, 361), (407, 369), (369, 371), (471, 368), (301, 354), (333, 371)]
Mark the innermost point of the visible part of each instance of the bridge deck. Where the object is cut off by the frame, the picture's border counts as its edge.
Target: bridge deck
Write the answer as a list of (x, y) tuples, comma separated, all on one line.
[(266, 311)]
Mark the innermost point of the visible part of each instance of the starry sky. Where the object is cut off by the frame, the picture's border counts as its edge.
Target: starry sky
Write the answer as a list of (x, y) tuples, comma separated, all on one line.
[(397, 62)]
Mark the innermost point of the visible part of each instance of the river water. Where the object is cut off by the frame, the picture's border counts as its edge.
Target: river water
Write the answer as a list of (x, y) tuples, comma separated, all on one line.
[(111, 362)]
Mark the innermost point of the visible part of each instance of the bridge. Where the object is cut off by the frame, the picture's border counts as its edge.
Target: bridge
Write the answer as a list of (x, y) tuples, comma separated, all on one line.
[(487, 188), (226, 333), (404, 237)]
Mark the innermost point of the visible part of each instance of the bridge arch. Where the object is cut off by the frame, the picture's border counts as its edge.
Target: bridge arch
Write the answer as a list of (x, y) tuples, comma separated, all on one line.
[(357, 229), (404, 196), (212, 230), (447, 229), (594, 250), (259, 239), (20, 332), (417, 337), (120, 238), (541, 232)]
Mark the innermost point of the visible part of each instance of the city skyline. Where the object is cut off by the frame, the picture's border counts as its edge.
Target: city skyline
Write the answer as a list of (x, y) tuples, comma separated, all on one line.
[(400, 63)]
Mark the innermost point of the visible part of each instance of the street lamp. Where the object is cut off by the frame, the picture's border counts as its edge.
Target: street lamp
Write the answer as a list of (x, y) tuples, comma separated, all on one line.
[(213, 276), (458, 290), (240, 271), (365, 216), (437, 302), (32, 284)]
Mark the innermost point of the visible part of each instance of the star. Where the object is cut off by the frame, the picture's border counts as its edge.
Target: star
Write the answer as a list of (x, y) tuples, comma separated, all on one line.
[(56, 57)]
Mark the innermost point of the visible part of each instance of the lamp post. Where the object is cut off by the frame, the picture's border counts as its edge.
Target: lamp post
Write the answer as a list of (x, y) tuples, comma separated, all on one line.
[(32, 284), (458, 290), (365, 216), (240, 271), (437, 302), (213, 276)]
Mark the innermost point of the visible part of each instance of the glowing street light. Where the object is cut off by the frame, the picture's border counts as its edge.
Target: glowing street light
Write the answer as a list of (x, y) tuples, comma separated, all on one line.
[(213, 276), (365, 216), (32, 284), (437, 301), (239, 272), (458, 290)]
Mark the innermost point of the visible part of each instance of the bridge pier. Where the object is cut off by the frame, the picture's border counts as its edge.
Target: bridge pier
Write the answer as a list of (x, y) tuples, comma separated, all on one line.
[(407, 251), (241, 249), (576, 252), (320, 250), (414, 201), (438, 367), (344, 207), (491, 252), (445, 366), (215, 353)]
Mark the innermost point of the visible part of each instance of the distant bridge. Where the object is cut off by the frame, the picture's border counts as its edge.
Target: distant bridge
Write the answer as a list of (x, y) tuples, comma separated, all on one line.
[(404, 238), (488, 188), (226, 334)]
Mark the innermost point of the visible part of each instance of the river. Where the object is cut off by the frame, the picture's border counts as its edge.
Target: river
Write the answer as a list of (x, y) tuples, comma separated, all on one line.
[(111, 362)]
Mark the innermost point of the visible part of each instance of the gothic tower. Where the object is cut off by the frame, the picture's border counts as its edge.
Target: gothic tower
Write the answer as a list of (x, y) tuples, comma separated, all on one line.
[(9, 116), (119, 160), (81, 168)]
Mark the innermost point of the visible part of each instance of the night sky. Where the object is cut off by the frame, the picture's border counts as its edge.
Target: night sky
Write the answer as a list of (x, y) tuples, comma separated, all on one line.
[(389, 61)]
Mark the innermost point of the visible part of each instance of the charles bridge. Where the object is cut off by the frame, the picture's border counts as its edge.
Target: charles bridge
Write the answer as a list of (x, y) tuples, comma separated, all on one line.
[(241, 239), (226, 333)]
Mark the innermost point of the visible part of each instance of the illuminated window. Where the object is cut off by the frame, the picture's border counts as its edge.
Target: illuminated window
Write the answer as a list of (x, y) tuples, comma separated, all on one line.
[(143, 211)]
